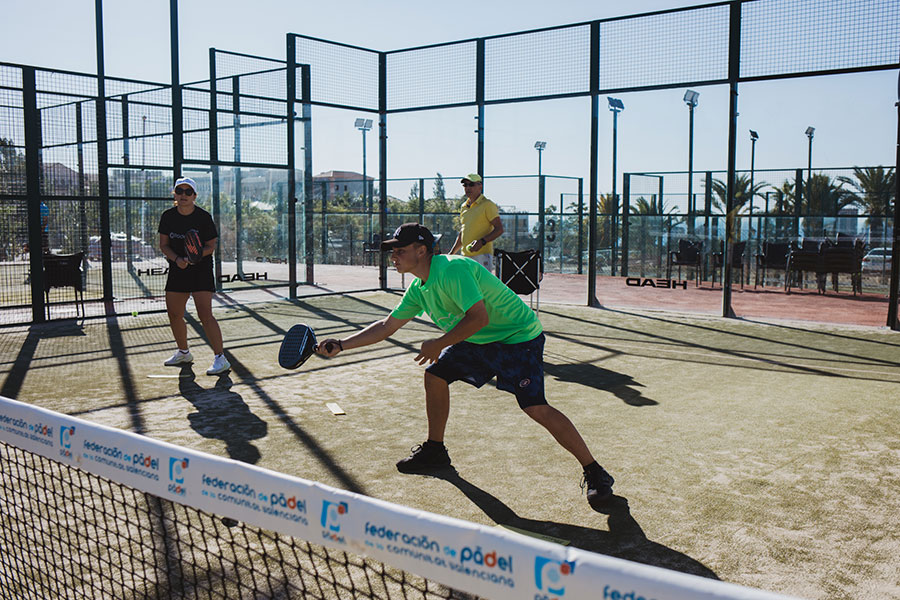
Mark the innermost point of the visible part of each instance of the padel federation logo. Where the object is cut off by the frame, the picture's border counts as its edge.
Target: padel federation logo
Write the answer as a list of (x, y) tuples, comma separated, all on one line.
[(332, 515), (177, 468), (65, 441), (549, 576)]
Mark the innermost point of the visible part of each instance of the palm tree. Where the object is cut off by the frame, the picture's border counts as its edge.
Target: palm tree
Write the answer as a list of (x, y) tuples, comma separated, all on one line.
[(823, 197), (785, 202), (742, 192), (742, 195), (653, 217), (874, 189)]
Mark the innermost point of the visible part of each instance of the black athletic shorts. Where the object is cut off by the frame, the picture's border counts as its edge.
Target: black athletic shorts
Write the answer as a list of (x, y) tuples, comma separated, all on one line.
[(195, 278), (519, 368)]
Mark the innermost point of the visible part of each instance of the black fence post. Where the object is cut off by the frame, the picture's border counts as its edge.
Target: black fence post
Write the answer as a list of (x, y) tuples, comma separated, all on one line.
[(580, 224), (382, 163), (626, 208), (308, 232), (479, 100), (32, 120), (594, 159), (734, 66), (214, 160), (892, 320), (799, 196), (102, 166), (126, 161), (290, 116)]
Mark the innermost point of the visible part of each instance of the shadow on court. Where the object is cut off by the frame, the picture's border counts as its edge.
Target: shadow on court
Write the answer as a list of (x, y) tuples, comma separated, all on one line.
[(223, 415), (624, 538), (590, 375)]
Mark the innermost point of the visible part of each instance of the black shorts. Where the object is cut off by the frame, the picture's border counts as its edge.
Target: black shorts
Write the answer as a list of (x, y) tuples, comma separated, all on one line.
[(195, 278), (519, 368)]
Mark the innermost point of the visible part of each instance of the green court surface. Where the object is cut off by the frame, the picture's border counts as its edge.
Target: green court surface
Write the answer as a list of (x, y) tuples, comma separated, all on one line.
[(757, 453)]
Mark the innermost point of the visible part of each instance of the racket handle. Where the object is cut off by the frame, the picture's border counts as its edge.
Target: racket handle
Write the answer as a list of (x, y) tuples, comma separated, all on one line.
[(329, 347)]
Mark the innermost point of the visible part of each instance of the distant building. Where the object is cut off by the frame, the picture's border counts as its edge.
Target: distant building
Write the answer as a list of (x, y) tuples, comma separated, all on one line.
[(336, 183)]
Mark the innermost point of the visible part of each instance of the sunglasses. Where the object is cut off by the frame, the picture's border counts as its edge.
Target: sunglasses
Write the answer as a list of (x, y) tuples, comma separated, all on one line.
[(184, 191), (469, 184)]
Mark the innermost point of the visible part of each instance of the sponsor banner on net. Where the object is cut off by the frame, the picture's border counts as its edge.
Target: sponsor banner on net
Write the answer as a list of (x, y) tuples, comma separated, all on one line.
[(469, 557)]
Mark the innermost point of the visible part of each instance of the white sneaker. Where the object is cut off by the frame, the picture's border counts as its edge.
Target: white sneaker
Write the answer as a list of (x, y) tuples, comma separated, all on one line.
[(220, 365), (179, 358)]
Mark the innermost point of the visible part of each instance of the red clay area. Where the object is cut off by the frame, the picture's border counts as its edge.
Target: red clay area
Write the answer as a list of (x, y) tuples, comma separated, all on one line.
[(762, 302)]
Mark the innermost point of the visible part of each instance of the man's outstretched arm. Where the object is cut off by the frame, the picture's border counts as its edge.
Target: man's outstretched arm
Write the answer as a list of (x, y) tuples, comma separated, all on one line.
[(374, 333)]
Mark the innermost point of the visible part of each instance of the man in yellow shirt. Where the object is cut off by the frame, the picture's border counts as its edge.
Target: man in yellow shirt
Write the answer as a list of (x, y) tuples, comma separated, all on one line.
[(479, 224)]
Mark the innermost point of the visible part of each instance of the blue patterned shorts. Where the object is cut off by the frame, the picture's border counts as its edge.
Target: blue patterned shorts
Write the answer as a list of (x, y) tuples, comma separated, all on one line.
[(519, 368)]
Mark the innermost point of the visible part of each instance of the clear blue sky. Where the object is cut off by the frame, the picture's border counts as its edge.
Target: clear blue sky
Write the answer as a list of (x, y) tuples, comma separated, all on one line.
[(854, 115)]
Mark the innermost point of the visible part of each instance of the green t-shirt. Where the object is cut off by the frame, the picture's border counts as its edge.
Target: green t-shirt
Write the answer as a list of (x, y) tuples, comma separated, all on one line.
[(455, 283)]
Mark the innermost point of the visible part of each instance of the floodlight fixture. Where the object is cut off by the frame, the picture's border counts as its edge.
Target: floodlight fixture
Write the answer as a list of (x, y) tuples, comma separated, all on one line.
[(690, 98), (810, 131), (753, 135), (363, 124), (540, 145), (615, 104)]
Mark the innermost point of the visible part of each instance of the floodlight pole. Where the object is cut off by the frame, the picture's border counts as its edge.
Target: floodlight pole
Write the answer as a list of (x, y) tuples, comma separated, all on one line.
[(364, 125), (690, 98), (753, 137), (539, 146), (615, 106), (810, 131)]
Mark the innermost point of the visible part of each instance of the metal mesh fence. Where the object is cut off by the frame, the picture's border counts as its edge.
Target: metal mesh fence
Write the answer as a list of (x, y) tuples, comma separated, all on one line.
[(341, 75), (543, 63), (806, 36), (435, 76), (665, 49)]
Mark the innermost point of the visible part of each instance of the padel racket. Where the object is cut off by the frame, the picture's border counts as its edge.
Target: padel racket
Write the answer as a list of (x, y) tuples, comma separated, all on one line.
[(193, 247), (298, 345)]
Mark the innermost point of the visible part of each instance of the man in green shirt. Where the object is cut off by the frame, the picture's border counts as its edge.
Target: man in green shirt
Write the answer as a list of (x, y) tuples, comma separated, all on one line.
[(488, 332)]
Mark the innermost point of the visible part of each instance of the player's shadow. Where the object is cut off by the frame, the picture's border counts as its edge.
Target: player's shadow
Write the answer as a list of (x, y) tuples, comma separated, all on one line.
[(624, 387), (624, 539), (223, 415)]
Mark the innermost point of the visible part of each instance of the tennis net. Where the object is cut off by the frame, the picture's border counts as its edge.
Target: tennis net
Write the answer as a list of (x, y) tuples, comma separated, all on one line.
[(87, 511)]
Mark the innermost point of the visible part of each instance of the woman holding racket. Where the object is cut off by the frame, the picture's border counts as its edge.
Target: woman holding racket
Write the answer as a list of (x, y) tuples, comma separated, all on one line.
[(187, 238)]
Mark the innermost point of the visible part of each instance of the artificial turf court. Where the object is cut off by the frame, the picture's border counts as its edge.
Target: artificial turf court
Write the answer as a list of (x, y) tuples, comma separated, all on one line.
[(759, 454)]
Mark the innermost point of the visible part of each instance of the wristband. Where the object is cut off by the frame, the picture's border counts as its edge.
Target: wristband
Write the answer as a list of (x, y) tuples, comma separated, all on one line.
[(340, 345), (483, 243)]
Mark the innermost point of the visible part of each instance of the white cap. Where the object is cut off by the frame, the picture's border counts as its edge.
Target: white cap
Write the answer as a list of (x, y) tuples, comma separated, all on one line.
[(185, 181)]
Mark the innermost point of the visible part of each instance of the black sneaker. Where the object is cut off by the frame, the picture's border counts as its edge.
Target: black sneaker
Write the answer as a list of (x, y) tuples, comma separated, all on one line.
[(425, 457), (599, 486)]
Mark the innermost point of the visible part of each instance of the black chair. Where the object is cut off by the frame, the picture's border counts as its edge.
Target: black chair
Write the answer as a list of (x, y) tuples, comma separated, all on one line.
[(689, 254), (842, 259), (64, 270), (736, 251), (521, 272), (805, 258), (371, 249), (774, 255)]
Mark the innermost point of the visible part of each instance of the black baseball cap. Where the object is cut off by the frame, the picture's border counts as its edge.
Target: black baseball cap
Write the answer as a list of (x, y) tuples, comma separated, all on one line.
[(407, 234)]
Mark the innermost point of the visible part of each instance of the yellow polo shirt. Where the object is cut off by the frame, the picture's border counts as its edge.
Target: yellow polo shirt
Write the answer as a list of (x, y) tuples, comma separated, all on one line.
[(475, 223)]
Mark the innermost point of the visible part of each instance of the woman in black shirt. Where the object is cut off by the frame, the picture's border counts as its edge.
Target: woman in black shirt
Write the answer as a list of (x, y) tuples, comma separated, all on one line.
[(186, 279)]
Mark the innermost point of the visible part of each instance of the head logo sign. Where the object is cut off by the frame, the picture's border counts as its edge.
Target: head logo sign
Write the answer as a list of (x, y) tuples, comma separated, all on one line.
[(177, 467), (332, 514), (549, 576), (65, 441)]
